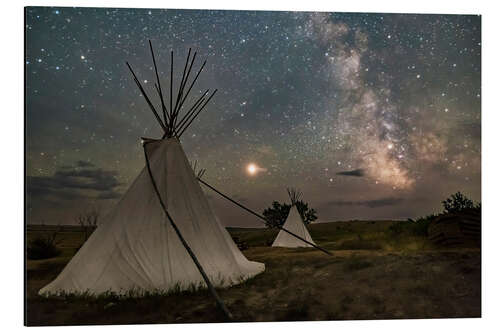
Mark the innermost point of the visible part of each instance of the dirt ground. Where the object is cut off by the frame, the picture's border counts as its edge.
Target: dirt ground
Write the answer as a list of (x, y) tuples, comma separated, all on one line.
[(380, 282)]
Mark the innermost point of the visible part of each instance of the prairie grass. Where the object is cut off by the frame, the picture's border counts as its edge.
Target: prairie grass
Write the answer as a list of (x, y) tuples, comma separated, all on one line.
[(372, 274)]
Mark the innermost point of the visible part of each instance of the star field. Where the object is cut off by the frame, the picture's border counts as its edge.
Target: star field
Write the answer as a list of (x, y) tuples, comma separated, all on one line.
[(308, 97)]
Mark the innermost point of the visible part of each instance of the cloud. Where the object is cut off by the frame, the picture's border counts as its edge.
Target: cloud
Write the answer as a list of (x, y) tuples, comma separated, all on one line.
[(376, 203), (352, 173), (95, 179), (83, 180)]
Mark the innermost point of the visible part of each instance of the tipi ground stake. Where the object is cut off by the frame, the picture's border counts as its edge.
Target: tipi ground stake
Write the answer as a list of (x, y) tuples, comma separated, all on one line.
[(262, 217), (218, 300)]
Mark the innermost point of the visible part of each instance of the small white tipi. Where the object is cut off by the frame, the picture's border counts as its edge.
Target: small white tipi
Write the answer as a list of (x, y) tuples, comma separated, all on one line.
[(295, 225), (135, 248)]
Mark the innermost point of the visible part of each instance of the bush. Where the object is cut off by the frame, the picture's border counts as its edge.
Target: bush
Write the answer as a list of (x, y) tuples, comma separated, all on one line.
[(458, 202), (412, 227), (43, 247), (242, 245), (88, 220)]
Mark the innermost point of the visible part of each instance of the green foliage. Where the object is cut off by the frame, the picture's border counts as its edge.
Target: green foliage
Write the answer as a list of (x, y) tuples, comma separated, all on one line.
[(458, 202), (277, 213)]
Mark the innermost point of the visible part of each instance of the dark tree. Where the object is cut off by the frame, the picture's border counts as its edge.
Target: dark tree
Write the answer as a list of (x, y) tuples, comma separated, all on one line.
[(456, 203), (308, 214), (278, 212)]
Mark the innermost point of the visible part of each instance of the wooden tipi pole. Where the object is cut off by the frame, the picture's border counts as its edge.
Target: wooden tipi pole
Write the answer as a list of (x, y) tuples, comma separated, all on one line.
[(218, 300)]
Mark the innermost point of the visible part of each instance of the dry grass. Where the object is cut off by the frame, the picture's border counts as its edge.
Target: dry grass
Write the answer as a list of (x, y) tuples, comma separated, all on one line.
[(358, 282)]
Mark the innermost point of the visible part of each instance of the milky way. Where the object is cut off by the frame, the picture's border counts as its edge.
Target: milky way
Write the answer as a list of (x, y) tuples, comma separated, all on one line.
[(370, 115)]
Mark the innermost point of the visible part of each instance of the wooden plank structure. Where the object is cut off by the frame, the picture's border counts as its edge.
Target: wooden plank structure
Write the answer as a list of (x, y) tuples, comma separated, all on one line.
[(456, 229)]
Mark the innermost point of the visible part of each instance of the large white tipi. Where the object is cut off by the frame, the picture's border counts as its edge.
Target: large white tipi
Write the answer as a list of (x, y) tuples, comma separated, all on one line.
[(137, 247), (295, 225)]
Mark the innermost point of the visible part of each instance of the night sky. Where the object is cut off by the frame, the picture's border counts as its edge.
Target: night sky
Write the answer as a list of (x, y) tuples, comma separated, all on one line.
[(372, 116)]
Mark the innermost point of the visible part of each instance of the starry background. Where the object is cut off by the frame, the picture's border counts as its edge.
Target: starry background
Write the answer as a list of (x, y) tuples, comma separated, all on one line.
[(372, 116)]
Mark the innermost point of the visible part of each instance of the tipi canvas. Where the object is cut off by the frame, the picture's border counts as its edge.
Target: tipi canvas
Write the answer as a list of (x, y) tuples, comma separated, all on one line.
[(163, 225), (136, 249), (293, 224)]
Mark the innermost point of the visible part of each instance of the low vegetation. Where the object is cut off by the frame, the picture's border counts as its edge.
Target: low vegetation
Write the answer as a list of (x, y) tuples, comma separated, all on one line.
[(88, 221), (455, 204), (412, 227), (43, 246), (298, 284)]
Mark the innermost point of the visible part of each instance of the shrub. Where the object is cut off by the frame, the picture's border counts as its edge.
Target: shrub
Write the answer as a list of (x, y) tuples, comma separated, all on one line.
[(421, 225), (412, 227), (43, 247), (458, 202), (88, 220), (241, 244)]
